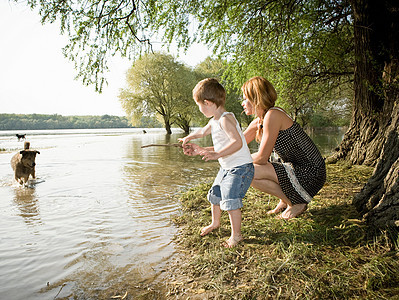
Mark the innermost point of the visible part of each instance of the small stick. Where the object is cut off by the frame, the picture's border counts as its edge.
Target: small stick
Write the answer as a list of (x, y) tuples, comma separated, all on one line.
[(64, 284), (163, 145)]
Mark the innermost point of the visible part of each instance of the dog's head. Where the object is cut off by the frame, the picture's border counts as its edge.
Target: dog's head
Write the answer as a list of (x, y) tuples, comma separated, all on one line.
[(28, 157)]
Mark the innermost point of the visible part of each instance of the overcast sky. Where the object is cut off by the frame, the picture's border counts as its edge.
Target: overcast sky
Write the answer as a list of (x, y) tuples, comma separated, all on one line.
[(36, 78)]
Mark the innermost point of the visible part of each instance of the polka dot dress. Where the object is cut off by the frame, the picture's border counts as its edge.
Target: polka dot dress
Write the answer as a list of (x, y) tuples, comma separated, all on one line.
[(301, 170)]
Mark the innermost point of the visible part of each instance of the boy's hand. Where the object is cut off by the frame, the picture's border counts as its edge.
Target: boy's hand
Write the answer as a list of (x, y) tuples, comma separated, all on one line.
[(184, 141), (209, 155), (191, 149)]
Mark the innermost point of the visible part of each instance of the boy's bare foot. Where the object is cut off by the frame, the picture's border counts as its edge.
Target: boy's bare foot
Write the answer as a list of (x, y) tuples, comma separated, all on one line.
[(232, 241), (208, 229), (279, 208), (293, 211)]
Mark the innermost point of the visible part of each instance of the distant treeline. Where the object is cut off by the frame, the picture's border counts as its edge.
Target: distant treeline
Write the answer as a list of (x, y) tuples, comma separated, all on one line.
[(39, 121)]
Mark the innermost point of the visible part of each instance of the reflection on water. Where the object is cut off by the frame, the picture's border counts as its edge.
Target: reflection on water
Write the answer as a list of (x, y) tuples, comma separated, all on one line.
[(96, 222), (26, 201), (326, 141), (97, 219)]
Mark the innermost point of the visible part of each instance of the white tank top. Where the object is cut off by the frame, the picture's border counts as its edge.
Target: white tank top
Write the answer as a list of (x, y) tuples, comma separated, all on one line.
[(220, 139)]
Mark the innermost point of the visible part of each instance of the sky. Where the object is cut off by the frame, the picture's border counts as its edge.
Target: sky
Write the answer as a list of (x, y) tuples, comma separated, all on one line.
[(36, 78)]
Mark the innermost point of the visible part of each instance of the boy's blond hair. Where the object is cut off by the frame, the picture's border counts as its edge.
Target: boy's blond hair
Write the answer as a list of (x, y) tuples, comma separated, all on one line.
[(211, 90)]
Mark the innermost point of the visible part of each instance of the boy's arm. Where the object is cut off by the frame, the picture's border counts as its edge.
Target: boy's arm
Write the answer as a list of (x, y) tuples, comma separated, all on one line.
[(193, 149), (197, 134), (228, 124)]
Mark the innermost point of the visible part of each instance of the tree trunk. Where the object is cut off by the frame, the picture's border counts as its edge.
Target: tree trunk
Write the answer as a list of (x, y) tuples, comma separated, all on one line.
[(186, 128), (168, 128), (379, 199), (185, 125), (372, 137)]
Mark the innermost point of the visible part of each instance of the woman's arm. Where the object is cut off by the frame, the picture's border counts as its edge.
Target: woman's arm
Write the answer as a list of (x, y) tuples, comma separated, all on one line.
[(272, 124), (250, 132)]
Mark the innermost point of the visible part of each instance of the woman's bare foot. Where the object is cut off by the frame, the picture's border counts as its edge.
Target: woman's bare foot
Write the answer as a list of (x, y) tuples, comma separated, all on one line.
[(294, 211), (279, 208), (232, 241), (208, 229)]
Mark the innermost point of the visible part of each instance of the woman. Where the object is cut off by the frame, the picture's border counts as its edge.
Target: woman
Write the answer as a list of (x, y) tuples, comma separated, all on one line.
[(301, 171)]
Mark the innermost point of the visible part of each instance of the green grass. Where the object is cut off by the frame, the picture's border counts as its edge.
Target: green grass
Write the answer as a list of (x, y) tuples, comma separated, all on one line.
[(326, 253)]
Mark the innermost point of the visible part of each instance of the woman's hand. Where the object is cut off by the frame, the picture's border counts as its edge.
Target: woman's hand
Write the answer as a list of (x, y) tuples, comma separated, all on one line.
[(259, 159)]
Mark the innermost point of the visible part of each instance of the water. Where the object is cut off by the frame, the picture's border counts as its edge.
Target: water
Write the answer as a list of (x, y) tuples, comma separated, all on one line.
[(327, 140), (97, 218)]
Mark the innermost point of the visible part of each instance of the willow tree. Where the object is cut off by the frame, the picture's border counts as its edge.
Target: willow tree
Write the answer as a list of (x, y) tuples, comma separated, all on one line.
[(158, 85), (336, 42), (322, 43), (373, 137), (216, 68), (97, 30)]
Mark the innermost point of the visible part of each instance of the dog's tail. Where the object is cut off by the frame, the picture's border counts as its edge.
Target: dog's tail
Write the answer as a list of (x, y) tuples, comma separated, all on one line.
[(26, 145)]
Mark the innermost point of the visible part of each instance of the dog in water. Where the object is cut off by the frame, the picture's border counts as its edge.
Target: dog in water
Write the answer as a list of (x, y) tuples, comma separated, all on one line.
[(23, 163), (20, 136)]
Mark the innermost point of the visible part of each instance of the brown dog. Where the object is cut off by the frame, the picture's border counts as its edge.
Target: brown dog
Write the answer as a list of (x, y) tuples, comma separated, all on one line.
[(23, 164)]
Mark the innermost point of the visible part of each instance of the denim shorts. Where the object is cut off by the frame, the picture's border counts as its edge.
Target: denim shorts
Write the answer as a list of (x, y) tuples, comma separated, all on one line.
[(230, 186)]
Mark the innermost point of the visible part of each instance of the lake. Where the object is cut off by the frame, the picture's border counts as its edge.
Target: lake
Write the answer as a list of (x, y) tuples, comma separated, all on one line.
[(97, 219)]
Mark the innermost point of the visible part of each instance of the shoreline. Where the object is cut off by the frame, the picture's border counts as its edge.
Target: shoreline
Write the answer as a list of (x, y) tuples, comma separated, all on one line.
[(327, 253)]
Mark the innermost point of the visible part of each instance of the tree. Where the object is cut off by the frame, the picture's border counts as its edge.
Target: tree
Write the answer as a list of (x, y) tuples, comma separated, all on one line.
[(298, 45), (159, 85), (97, 30), (38, 121), (322, 43), (187, 111), (373, 137), (304, 47), (215, 68)]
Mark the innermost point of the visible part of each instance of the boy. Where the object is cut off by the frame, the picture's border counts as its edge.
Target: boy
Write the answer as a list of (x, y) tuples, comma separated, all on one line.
[(230, 149)]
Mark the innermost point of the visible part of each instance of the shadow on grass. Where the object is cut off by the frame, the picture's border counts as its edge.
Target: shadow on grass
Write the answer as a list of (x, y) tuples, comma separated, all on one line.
[(326, 253)]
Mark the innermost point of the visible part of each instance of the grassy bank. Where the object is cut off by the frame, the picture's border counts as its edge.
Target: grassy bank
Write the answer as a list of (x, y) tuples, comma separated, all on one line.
[(327, 253)]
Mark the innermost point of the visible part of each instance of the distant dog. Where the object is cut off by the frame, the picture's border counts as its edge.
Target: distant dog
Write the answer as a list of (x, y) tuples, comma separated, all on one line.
[(23, 164), (20, 136)]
